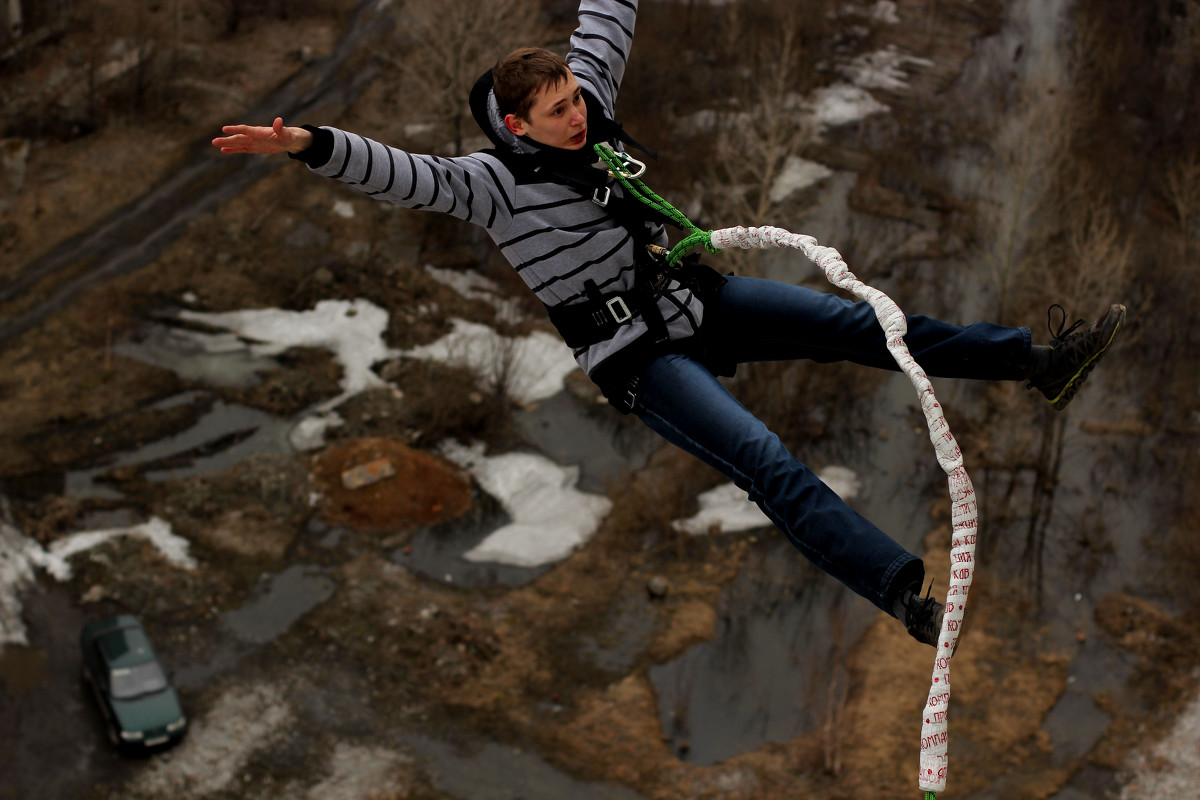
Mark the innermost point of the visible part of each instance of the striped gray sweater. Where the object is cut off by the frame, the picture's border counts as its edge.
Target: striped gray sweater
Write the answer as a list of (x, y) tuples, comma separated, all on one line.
[(554, 236)]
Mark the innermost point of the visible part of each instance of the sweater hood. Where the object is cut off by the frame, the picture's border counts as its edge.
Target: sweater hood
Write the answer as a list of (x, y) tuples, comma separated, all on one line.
[(486, 111)]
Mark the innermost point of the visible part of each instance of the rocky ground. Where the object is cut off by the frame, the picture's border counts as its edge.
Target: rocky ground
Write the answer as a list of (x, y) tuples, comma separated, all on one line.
[(395, 684)]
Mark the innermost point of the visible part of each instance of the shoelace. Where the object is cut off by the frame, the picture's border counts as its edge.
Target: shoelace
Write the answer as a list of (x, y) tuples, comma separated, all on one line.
[(1057, 337), (920, 611)]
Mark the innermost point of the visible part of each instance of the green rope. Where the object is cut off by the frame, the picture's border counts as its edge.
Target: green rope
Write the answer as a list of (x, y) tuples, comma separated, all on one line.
[(639, 190)]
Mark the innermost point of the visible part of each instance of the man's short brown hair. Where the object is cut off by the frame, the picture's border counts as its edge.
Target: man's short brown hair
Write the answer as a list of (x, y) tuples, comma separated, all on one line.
[(519, 76)]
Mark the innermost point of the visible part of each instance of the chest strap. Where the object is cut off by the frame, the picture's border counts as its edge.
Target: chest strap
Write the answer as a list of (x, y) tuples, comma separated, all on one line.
[(598, 318)]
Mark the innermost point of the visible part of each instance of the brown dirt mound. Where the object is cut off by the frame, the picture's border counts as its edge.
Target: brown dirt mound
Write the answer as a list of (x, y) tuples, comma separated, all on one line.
[(375, 484)]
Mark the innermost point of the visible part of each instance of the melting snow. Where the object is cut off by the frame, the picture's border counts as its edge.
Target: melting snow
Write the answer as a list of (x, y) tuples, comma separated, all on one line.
[(842, 104), (883, 11), (20, 554), (531, 368), (1170, 770), (883, 69), (353, 330), (474, 286), (797, 174), (727, 509), (550, 516), (843, 480)]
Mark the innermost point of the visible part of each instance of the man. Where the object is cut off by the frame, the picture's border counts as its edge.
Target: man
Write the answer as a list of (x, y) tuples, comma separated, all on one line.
[(654, 338)]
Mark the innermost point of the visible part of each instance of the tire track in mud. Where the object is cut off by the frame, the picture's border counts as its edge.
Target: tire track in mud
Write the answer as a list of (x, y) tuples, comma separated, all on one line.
[(137, 234)]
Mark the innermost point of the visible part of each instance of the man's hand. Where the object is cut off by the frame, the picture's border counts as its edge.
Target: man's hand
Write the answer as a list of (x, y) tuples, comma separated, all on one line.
[(259, 139)]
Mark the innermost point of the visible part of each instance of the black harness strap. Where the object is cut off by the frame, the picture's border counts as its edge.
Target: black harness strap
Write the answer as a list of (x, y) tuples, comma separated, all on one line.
[(600, 316)]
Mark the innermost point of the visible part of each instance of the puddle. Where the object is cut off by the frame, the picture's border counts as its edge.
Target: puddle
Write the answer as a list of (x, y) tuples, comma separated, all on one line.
[(1074, 725), (224, 436), (1090, 783), (764, 675), (626, 632), (218, 359), (279, 601), (289, 596), (566, 431), (491, 771), (783, 626), (436, 551)]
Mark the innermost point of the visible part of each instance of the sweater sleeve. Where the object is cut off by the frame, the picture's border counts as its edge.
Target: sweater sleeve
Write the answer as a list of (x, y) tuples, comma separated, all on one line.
[(600, 46), (474, 188)]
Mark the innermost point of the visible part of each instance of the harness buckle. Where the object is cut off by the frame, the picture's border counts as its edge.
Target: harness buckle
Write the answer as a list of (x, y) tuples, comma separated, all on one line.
[(602, 199), (619, 310)]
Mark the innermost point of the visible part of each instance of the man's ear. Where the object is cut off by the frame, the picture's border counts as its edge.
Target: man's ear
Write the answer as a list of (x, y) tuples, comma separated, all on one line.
[(515, 124)]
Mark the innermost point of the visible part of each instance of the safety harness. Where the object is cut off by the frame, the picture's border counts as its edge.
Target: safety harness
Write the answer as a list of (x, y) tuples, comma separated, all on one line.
[(602, 314)]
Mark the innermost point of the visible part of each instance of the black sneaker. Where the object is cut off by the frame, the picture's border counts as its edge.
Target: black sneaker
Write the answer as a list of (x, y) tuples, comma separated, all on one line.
[(922, 616), (1073, 353)]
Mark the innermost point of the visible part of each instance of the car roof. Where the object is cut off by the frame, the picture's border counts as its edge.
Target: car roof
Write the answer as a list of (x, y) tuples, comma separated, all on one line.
[(123, 642)]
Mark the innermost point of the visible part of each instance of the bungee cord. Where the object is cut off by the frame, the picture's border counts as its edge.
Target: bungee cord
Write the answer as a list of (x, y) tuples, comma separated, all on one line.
[(934, 759)]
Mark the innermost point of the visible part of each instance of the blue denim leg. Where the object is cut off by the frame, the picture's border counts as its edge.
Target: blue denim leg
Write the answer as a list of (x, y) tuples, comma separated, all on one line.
[(762, 320), (684, 403)]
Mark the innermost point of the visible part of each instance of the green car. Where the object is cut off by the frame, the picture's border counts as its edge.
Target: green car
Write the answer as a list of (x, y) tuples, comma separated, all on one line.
[(140, 707)]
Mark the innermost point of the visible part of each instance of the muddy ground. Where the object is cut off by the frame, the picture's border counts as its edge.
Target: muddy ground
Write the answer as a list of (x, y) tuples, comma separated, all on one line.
[(394, 684)]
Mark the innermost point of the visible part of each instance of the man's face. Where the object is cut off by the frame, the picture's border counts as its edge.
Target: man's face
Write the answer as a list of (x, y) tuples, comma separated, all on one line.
[(558, 117)]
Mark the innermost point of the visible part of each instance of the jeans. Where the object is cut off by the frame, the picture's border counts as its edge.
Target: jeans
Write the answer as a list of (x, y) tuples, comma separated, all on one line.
[(761, 320)]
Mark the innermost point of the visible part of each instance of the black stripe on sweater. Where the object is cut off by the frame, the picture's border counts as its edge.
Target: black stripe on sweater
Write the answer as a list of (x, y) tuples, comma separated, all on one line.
[(556, 251), (610, 18)]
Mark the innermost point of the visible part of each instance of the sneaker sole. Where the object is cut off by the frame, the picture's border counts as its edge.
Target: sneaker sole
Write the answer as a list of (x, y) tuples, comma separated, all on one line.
[(1060, 400)]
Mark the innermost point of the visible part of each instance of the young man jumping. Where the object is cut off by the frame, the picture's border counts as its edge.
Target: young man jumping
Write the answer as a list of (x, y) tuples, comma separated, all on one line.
[(656, 338)]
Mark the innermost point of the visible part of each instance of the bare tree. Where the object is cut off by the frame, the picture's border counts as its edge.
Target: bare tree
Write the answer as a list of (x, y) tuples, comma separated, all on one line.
[(1099, 249), (1180, 186), (1032, 132), (449, 43), (757, 136)]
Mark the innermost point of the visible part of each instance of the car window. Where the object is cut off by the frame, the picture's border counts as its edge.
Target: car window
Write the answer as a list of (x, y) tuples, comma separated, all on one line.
[(131, 682), (98, 661)]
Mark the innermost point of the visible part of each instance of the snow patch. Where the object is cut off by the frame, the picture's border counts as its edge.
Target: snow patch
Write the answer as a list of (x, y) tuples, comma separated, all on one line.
[(550, 516), (309, 433), (351, 329), (474, 286), (883, 69), (531, 368), (725, 509), (156, 531), (883, 12), (20, 554), (843, 480), (797, 173), (1171, 770), (16, 573), (842, 104), (358, 772), (217, 747)]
